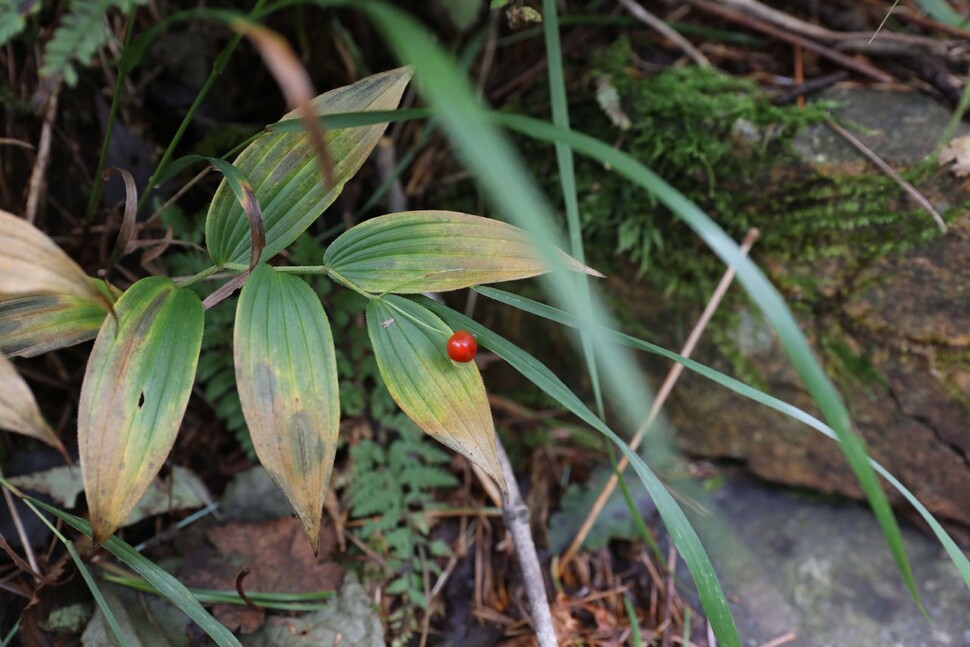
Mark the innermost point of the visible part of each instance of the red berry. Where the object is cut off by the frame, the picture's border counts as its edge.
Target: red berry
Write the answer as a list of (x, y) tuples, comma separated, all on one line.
[(462, 346)]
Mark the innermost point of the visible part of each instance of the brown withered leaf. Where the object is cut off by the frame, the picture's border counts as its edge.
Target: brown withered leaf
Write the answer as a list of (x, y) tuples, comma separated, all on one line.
[(278, 556), (958, 152)]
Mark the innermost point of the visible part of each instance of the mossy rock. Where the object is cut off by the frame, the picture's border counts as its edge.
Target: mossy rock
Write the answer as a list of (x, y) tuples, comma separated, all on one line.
[(882, 295)]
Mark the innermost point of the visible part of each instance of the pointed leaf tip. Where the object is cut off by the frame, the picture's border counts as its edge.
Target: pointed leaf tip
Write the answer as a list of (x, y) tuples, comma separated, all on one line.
[(286, 373), (135, 390), (437, 251), (444, 398), (18, 408), (285, 178)]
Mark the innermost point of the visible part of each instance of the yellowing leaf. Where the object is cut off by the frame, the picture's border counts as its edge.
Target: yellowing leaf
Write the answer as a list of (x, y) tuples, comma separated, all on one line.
[(435, 251), (135, 391), (31, 324), (286, 178), (286, 373), (446, 399), (31, 262), (18, 409)]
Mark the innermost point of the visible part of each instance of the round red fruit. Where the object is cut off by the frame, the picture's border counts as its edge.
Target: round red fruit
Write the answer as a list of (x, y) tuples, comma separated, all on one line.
[(462, 346)]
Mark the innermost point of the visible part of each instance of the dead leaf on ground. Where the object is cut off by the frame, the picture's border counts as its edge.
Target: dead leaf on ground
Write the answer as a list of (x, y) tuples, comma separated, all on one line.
[(958, 152), (182, 490), (278, 556)]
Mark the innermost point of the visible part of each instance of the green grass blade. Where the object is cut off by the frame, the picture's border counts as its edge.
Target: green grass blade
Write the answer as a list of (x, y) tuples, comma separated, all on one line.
[(109, 615), (764, 295), (487, 153), (270, 600), (681, 532), (567, 177), (631, 616), (170, 587), (8, 639), (542, 310), (82, 568)]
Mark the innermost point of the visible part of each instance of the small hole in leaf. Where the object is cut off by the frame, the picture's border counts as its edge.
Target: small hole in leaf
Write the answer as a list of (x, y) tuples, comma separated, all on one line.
[(141, 399)]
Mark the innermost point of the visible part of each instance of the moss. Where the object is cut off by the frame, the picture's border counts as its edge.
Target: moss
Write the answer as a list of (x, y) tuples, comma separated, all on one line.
[(722, 143)]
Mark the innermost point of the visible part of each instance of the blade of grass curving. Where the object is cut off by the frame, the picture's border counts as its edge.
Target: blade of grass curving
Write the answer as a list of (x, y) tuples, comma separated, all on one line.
[(488, 154), (270, 600), (631, 616), (681, 532), (340, 120), (167, 585), (959, 559), (492, 158), (8, 639), (217, 67), (109, 615), (942, 11), (768, 300), (567, 177), (120, 76)]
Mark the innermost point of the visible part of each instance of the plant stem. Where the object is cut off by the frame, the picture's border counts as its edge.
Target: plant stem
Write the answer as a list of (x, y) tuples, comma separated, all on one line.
[(517, 521), (303, 269), (336, 276), (112, 116), (201, 276), (217, 67)]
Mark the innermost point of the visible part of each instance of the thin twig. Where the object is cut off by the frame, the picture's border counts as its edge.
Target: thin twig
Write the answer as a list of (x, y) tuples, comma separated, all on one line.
[(860, 40), (671, 590), (21, 531), (178, 194), (911, 190), (517, 521), (777, 33), (781, 640), (665, 30), (39, 174), (658, 402)]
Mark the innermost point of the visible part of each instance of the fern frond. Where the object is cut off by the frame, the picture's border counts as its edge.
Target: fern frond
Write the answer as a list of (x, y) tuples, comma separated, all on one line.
[(81, 33), (12, 18)]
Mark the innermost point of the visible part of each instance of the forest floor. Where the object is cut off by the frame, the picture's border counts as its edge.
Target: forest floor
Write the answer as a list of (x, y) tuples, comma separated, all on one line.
[(414, 548)]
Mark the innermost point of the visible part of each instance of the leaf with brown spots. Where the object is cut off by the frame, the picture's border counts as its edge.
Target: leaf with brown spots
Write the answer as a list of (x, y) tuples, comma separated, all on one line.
[(434, 251), (35, 323), (287, 182), (444, 398), (286, 374), (135, 391)]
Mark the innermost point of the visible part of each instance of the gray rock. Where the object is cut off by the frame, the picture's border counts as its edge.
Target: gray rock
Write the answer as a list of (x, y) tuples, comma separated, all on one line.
[(822, 569), (252, 496), (902, 128)]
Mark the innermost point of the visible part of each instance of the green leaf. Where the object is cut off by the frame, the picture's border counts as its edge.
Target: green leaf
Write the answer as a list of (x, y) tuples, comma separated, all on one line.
[(435, 251), (32, 324), (167, 585), (284, 174), (135, 391), (18, 408), (286, 374), (681, 532), (444, 398)]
